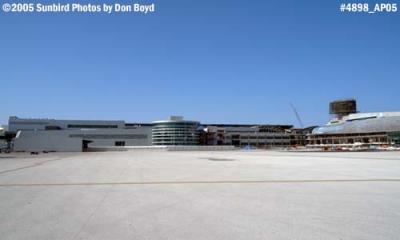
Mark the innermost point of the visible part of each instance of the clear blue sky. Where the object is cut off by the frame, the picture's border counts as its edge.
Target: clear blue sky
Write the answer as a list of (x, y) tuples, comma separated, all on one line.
[(216, 61)]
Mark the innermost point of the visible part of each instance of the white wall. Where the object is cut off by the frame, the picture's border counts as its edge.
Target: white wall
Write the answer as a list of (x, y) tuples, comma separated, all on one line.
[(111, 136), (71, 140), (38, 141)]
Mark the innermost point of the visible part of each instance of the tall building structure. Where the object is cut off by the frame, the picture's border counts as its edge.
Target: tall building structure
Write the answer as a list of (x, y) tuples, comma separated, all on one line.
[(175, 131)]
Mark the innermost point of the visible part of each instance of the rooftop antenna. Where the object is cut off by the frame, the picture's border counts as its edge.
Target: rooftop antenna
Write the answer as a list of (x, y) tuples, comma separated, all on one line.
[(297, 115)]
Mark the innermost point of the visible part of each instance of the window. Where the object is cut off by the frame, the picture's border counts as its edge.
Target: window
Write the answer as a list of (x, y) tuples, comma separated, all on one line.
[(120, 143), (50, 127), (90, 126)]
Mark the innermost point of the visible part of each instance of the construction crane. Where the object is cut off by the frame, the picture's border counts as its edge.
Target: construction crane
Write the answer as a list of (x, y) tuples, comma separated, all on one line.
[(297, 115)]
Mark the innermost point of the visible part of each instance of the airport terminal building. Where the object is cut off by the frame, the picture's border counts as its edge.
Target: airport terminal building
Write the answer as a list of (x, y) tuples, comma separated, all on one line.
[(75, 135), (380, 129), (82, 135), (349, 128)]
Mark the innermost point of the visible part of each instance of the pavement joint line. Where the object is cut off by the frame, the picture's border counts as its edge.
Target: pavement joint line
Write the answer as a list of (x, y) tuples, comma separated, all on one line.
[(30, 166), (195, 182)]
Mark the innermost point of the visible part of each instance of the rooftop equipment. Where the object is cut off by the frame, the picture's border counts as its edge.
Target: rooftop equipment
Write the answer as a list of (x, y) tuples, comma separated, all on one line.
[(343, 107)]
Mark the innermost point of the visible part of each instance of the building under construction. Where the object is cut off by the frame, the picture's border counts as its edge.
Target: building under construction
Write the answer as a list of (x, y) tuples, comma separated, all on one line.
[(350, 129), (36, 135)]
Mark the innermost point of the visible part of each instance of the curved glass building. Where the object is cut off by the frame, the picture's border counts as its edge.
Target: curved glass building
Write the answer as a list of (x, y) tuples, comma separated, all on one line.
[(366, 128), (175, 131), (363, 123)]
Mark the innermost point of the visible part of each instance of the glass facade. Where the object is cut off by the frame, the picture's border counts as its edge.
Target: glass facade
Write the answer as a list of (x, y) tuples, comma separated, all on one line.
[(394, 137), (175, 133)]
